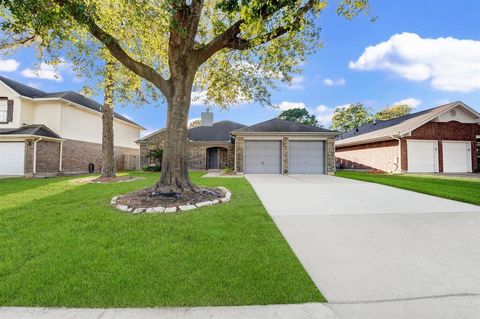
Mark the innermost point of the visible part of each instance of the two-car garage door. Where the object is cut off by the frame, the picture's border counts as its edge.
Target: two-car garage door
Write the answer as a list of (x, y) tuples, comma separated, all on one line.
[(12, 157), (423, 156), (265, 157)]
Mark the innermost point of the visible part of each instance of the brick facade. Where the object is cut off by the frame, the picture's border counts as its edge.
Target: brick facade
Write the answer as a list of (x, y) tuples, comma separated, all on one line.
[(444, 131), (197, 151), (76, 155), (372, 156), (434, 131)]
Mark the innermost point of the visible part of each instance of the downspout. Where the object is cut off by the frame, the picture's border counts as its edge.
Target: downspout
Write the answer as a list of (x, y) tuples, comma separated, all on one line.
[(61, 157), (35, 155), (399, 158)]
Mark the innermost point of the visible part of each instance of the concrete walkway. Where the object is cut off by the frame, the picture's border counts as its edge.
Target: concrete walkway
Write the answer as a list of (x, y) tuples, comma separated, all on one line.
[(303, 311), (379, 252)]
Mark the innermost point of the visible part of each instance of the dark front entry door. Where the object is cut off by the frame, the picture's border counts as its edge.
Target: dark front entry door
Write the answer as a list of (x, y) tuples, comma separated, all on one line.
[(212, 158)]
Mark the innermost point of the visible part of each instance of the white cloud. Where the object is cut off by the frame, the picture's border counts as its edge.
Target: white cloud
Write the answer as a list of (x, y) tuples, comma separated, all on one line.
[(449, 64), (8, 65), (324, 114), (297, 83), (45, 71), (285, 105), (190, 121), (198, 98), (334, 82), (413, 102)]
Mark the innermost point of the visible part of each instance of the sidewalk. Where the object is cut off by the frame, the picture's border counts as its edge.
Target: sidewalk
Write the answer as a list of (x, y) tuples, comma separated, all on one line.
[(300, 311)]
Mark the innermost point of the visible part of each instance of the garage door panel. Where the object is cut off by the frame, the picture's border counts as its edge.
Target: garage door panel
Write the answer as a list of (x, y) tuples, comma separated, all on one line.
[(422, 156), (457, 157), (306, 157), (12, 158), (263, 157)]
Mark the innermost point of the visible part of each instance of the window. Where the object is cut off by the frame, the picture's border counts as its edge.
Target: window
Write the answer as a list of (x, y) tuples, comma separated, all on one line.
[(3, 110)]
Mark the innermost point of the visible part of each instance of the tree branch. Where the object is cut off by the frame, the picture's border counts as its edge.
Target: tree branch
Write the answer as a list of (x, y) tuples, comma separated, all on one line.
[(230, 37), (20, 42), (116, 50)]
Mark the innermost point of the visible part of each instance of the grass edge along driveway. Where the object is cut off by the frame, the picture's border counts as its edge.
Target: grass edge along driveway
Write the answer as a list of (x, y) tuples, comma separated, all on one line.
[(461, 189), (62, 245)]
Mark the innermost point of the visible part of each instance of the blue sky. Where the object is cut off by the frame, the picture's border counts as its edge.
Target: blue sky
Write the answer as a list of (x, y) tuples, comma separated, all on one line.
[(424, 52)]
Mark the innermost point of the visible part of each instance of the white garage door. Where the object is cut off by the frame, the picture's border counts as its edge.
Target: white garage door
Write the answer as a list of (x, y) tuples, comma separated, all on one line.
[(457, 157), (306, 157), (422, 156), (12, 157), (263, 157)]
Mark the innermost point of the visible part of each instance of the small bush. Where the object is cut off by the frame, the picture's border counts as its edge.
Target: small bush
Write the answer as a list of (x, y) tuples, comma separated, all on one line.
[(228, 171), (156, 168)]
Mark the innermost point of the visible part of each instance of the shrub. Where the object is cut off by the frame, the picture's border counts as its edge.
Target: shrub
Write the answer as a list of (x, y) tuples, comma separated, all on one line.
[(155, 168)]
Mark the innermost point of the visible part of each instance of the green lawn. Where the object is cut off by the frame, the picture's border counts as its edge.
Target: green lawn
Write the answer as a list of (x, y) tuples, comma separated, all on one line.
[(461, 189), (61, 244)]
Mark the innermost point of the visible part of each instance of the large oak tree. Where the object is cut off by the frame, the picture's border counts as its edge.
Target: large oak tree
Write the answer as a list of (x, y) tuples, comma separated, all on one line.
[(226, 50)]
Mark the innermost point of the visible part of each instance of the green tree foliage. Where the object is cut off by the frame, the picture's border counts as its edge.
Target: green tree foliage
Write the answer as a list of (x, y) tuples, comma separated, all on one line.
[(299, 115), (230, 50), (393, 111), (350, 117)]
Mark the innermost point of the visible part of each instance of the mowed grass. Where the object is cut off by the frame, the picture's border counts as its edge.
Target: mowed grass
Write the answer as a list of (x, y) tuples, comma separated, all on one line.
[(61, 244), (461, 189)]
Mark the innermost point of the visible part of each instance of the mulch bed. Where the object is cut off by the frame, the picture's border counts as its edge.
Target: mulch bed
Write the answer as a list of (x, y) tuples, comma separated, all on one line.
[(147, 198), (106, 180)]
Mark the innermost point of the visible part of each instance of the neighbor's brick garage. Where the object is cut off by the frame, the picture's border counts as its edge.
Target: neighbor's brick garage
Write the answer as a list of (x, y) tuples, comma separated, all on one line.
[(441, 131)]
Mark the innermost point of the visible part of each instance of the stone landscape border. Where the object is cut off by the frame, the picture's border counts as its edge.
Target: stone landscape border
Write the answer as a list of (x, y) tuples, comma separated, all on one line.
[(173, 209)]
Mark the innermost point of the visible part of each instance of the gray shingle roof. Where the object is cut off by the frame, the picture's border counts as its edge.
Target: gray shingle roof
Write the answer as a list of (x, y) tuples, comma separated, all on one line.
[(219, 131), (398, 127), (36, 129), (278, 125), (374, 126), (71, 96)]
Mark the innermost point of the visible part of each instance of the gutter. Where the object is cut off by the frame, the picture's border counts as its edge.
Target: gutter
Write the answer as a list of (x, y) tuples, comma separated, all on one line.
[(399, 139), (285, 133), (13, 136)]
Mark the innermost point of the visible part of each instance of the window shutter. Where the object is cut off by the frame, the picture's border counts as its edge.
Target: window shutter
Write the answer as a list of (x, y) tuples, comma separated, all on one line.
[(9, 111)]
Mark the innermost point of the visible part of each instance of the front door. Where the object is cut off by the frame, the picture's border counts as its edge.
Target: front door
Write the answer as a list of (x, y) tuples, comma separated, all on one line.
[(212, 158)]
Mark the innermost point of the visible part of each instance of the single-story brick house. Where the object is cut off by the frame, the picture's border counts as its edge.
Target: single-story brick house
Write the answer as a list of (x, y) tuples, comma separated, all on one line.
[(46, 134), (444, 139), (271, 147)]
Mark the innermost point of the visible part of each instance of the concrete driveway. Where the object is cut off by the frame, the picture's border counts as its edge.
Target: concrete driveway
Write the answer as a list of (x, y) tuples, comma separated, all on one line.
[(379, 252)]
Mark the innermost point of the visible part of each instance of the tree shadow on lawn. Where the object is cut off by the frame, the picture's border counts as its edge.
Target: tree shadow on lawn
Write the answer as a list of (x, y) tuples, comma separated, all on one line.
[(20, 184), (72, 249)]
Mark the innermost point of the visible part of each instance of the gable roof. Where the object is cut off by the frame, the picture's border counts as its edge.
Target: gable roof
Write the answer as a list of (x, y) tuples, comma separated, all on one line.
[(71, 96), (397, 127), (277, 125), (36, 129), (219, 131)]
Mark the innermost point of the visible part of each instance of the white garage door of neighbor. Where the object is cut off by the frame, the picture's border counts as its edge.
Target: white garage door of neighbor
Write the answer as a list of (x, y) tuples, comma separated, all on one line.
[(422, 156), (263, 157), (12, 157), (457, 157), (306, 157)]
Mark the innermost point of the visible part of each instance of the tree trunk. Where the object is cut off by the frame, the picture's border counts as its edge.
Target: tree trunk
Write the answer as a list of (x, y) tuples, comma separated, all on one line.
[(108, 154), (174, 178)]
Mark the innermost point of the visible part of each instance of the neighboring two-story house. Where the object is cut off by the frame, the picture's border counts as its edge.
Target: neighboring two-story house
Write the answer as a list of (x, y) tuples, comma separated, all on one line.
[(45, 134)]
